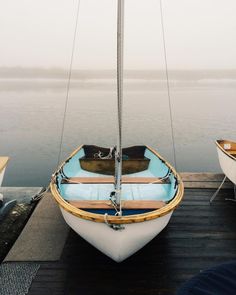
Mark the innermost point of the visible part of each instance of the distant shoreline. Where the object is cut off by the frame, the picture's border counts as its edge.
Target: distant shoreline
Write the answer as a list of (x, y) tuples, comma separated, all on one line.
[(59, 73)]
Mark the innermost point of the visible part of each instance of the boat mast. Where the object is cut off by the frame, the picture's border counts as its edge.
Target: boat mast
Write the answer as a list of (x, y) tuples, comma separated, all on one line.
[(120, 46)]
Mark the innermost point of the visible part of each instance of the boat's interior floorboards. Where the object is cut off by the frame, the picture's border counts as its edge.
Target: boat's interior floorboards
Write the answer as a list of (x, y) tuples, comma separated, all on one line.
[(198, 236)]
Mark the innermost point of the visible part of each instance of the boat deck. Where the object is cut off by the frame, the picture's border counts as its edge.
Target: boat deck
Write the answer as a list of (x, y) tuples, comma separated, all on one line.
[(198, 236)]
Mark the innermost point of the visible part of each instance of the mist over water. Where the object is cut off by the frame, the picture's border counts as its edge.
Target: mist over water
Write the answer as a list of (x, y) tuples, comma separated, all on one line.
[(33, 105)]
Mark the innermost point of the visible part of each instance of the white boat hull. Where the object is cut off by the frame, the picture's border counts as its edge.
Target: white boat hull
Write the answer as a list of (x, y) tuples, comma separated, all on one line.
[(228, 165), (3, 164), (117, 244), (99, 225), (2, 175)]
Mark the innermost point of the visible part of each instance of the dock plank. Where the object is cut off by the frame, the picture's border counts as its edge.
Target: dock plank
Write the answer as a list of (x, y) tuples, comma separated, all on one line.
[(198, 236), (204, 180)]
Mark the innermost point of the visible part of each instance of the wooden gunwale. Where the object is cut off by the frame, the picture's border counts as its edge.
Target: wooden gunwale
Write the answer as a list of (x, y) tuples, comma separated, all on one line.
[(3, 163), (218, 144), (119, 219)]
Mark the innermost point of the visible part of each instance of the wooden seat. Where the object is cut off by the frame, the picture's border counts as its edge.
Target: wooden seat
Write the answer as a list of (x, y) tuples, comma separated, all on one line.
[(106, 204), (111, 180)]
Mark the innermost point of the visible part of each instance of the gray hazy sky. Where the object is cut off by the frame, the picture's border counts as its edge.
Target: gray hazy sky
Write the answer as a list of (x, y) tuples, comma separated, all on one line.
[(199, 34)]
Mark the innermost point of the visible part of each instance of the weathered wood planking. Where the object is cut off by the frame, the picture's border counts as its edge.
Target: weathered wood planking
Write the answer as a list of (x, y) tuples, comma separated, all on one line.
[(198, 236), (204, 180)]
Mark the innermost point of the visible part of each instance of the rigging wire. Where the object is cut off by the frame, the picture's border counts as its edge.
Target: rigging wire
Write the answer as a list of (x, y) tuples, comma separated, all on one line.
[(168, 85), (68, 83)]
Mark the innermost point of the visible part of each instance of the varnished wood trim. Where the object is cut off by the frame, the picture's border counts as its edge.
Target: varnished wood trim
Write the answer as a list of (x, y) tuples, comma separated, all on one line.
[(221, 142), (3, 163), (106, 204), (121, 219), (111, 180)]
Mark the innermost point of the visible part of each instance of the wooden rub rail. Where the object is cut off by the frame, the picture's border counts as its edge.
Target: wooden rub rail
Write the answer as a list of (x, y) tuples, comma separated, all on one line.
[(106, 204), (110, 180)]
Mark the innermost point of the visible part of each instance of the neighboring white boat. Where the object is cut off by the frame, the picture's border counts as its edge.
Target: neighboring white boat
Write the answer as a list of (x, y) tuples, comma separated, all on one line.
[(226, 150), (117, 199), (4, 206), (3, 164)]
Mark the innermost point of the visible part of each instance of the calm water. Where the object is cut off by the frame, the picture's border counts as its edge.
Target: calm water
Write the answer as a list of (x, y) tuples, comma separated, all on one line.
[(32, 109)]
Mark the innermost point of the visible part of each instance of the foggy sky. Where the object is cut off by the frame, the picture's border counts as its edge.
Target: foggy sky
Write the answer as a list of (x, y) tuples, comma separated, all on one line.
[(199, 34)]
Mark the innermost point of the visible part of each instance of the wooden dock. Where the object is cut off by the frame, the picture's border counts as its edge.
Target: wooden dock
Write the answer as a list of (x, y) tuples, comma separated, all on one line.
[(198, 236)]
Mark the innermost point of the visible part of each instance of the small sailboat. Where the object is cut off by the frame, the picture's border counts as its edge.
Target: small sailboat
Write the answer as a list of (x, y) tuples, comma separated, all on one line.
[(226, 151), (118, 199), (85, 190), (3, 164)]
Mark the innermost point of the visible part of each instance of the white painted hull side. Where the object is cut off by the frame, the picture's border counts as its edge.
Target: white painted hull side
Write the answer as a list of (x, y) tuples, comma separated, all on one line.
[(228, 165), (118, 245), (2, 175)]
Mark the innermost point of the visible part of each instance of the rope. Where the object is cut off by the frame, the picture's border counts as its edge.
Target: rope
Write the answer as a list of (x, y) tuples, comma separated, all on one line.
[(217, 191), (114, 203), (168, 85), (113, 226), (72, 181), (162, 178), (68, 85), (40, 195), (99, 155)]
